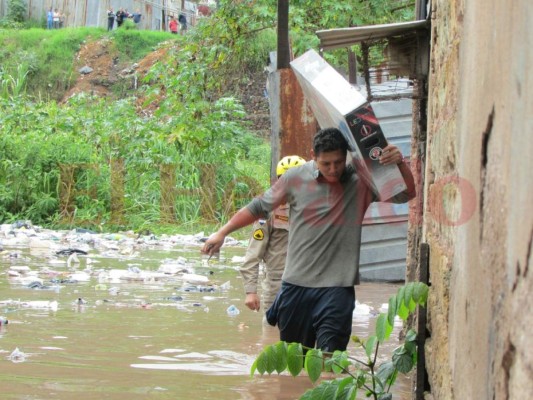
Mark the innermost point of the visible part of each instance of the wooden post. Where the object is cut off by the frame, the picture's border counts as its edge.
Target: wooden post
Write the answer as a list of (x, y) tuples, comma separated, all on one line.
[(422, 381), (352, 67), (167, 183)]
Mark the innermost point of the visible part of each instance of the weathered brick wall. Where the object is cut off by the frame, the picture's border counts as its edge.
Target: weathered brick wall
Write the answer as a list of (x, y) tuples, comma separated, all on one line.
[(478, 217), (441, 158)]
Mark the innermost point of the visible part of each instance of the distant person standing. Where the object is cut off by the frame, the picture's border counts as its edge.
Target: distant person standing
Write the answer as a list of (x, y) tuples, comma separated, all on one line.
[(50, 19), (56, 18), (136, 16), (61, 19), (183, 23), (173, 26), (110, 19), (121, 14)]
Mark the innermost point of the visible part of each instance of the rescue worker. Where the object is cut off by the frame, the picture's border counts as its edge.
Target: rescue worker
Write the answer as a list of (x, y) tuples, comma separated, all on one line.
[(268, 246)]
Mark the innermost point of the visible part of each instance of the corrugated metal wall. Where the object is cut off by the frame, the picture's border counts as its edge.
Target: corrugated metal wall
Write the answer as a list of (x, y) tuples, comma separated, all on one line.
[(384, 236), (94, 12)]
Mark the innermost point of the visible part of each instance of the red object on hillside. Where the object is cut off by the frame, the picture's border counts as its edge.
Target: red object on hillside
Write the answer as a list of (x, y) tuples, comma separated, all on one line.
[(173, 25), (204, 10)]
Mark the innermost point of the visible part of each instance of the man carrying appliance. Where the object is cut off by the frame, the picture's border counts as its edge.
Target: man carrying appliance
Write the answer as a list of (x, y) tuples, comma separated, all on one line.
[(327, 200)]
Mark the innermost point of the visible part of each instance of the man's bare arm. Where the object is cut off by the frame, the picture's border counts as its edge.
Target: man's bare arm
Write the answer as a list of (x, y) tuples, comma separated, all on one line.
[(242, 218), (392, 155)]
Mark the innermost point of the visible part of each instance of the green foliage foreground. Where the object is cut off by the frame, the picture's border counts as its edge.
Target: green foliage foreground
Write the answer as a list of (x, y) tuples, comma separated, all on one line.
[(375, 380), (58, 164)]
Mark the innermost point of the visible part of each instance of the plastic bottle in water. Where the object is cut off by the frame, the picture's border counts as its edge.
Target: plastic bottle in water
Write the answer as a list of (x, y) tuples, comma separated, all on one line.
[(3, 320), (232, 310)]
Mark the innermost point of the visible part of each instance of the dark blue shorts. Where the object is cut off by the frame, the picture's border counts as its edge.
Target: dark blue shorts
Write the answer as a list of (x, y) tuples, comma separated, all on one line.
[(314, 316)]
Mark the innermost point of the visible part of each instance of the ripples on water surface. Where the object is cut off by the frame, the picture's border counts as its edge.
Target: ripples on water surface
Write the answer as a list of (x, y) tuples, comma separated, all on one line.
[(126, 331)]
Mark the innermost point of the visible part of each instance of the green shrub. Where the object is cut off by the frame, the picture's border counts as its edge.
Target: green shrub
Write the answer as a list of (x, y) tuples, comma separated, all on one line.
[(16, 10), (358, 373)]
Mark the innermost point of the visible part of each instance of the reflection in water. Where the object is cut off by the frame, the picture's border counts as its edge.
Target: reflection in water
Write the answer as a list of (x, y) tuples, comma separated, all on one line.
[(129, 331)]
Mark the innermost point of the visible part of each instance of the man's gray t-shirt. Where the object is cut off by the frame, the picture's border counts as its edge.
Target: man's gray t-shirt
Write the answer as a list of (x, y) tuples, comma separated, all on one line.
[(325, 224)]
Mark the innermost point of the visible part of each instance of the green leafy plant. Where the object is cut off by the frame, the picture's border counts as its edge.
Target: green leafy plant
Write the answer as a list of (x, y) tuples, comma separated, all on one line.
[(356, 374), (16, 10), (13, 85)]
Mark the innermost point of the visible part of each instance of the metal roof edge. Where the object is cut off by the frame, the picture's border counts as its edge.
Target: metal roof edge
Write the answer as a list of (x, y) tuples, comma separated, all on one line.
[(344, 37)]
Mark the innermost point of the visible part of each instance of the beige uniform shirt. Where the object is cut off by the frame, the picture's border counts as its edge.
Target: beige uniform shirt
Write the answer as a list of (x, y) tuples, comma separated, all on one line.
[(268, 246)]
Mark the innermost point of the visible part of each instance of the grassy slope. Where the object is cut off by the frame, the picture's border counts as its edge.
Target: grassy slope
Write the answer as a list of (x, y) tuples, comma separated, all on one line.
[(48, 55)]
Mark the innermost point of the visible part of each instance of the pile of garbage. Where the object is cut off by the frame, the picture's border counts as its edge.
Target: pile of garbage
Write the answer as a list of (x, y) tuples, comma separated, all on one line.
[(60, 258)]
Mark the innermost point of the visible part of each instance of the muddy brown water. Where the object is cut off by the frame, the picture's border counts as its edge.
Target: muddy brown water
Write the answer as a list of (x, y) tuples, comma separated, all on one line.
[(159, 339)]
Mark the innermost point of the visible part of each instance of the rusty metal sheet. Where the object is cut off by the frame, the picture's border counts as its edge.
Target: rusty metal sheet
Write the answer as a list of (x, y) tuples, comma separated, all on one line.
[(298, 125), (344, 37)]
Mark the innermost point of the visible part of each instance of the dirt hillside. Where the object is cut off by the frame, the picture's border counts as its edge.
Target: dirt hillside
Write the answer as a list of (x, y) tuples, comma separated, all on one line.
[(106, 71)]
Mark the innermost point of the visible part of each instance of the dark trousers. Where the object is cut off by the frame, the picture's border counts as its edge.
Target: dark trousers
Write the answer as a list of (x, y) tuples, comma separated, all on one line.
[(321, 316)]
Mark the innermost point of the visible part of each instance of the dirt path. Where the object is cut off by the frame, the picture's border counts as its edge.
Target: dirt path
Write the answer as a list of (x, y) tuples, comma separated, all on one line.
[(108, 70)]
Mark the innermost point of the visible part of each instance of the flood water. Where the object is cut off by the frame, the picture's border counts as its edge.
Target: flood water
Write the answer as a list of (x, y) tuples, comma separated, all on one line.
[(94, 333)]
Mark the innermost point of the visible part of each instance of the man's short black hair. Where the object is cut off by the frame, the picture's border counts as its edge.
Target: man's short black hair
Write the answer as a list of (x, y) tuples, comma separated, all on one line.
[(329, 139)]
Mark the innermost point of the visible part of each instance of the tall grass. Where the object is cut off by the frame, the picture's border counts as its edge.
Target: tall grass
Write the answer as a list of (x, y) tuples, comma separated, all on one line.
[(133, 44), (13, 85), (44, 143), (39, 140), (49, 54)]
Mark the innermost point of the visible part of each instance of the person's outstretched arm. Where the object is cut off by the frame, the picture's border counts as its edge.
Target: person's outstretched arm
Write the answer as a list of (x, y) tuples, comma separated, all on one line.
[(257, 208), (242, 218)]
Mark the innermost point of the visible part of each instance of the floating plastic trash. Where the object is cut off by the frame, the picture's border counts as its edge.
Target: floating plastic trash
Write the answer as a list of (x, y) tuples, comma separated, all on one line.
[(40, 304), (79, 302), (196, 288), (80, 277), (39, 286), (232, 310), (3, 320), (134, 269), (17, 356), (174, 298), (68, 252), (72, 259), (26, 280), (194, 278), (24, 269)]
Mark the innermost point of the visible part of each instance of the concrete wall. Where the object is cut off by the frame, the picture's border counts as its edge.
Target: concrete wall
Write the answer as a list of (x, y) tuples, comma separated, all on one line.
[(478, 208)]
